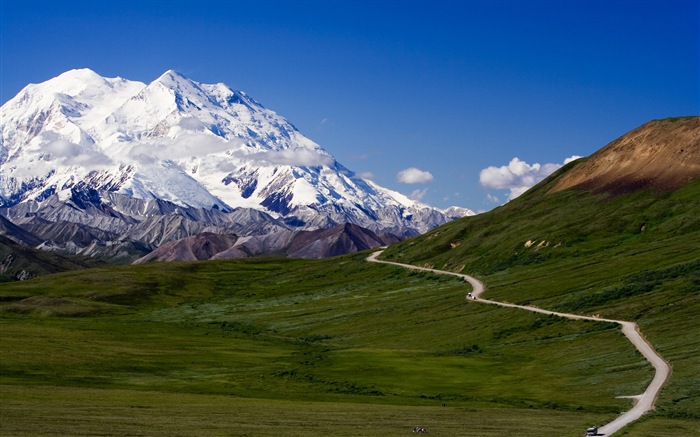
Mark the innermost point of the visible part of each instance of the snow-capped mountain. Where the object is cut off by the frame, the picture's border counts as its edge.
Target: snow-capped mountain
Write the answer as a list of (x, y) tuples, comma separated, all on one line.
[(192, 145)]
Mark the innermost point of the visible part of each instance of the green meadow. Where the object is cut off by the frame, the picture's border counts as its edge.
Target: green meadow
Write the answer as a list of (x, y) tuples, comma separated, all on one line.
[(634, 257), (292, 347), (280, 347)]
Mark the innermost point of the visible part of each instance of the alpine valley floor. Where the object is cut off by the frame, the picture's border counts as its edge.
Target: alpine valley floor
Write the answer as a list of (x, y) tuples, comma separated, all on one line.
[(298, 347)]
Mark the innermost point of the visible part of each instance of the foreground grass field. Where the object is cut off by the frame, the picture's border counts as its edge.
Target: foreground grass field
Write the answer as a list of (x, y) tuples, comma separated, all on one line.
[(345, 347), (285, 347), (69, 411), (633, 257)]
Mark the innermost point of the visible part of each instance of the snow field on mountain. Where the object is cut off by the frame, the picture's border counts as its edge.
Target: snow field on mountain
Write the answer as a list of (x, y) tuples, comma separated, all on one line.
[(192, 144)]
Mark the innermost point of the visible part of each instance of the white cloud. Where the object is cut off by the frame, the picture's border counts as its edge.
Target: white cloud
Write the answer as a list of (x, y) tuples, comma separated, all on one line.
[(366, 175), (418, 195), (192, 124), (572, 159), (200, 145), (183, 147), (518, 176), (413, 175), (225, 166), (68, 153), (296, 157), (493, 199)]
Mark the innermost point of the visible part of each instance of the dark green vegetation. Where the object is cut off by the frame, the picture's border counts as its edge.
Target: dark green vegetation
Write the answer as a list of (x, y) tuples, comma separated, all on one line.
[(283, 347), (632, 257), (342, 347)]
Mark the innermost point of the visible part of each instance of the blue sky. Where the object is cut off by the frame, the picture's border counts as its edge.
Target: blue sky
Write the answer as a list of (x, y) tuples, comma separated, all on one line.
[(448, 90)]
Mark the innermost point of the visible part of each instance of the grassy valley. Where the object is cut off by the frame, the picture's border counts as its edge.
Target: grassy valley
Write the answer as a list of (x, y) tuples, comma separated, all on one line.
[(633, 257), (286, 343), (271, 346)]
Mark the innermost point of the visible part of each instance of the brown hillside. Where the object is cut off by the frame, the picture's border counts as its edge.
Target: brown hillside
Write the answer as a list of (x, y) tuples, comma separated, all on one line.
[(662, 155), (197, 247)]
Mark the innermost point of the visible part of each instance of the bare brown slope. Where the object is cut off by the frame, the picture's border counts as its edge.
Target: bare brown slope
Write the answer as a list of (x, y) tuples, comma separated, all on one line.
[(342, 239), (663, 155), (198, 247), (322, 243)]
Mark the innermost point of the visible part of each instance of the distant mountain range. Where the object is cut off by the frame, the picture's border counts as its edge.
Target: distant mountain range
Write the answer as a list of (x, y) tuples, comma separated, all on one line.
[(116, 168)]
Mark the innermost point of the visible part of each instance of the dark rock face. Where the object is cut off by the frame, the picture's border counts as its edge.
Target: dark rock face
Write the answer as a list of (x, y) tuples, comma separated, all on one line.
[(17, 234), (108, 225)]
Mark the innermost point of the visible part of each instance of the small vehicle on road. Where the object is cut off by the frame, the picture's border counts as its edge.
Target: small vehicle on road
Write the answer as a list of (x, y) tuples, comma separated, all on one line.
[(593, 430)]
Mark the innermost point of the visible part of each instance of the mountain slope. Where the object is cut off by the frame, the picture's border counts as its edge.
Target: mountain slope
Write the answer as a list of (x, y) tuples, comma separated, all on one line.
[(17, 234), (322, 243), (193, 145), (549, 220), (18, 262), (662, 154), (607, 246), (199, 247)]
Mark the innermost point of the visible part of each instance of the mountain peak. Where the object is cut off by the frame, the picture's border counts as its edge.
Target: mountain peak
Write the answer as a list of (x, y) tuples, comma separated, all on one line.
[(72, 83), (195, 145), (172, 75), (80, 73), (176, 81)]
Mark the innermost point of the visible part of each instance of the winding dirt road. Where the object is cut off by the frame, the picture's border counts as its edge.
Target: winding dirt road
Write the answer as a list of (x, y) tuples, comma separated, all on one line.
[(644, 402)]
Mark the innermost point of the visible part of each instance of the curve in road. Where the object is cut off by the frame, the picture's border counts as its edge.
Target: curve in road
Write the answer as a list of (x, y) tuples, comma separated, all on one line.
[(645, 401)]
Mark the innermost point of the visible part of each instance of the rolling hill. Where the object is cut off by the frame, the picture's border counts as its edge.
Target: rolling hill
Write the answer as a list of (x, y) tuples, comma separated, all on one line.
[(344, 347), (662, 155), (616, 234)]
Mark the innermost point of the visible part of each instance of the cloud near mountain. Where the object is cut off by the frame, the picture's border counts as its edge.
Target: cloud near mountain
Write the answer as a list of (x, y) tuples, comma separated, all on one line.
[(186, 146), (68, 153), (295, 157), (414, 175), (518, 176)]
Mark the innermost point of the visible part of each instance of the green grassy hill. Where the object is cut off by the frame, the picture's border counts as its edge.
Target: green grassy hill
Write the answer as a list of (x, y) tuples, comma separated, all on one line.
[(633, 257), (292, 347), (341, 347), (288, 345)]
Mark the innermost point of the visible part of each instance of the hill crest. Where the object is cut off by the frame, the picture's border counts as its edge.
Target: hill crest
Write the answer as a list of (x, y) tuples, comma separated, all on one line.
[(663, 155)]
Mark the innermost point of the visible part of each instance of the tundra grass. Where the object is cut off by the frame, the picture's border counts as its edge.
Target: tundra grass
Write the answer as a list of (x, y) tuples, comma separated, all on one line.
[(661, 427), (634, 257), (70, 411), (338, 343)]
